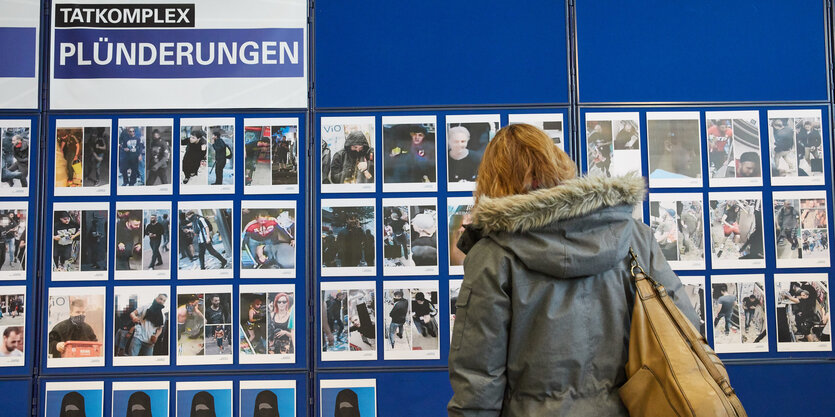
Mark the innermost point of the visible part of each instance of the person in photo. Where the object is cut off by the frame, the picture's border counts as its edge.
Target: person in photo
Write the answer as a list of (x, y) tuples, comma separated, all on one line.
[(458, 218), (462, 164), (255, 324), (15, 151), (423, 316), (282, 325), (354, 164), (337, 309), (219, 336), (329, 248), (8, 232), (149, 322), (727, 302), (12, 342), (159, 160), (350, 252), (600, 148), (749, 306), (414, 161), (665, 231), (128, 239), (398, 313), (676, 158), (748, 165), (195, 153), (347, 404), (72, 405), (691, 230), (253, 151), (266, 404), (66, 232), (628, 137), (154, 231), (284, 168), (72, 329), (20, 240), (786, 221), (203, 405), (782, 163), (166, 232), (808, 145), (271, 241), (369, 248), (139, 405), (203, 237), (802, 312), (425, 245), (217, 312), (222, 153), (396, 234), (94, 240), (70, 148), (362, 319), (131, 151), (125, 327), (95, 151), (190, 318), (720, 147)]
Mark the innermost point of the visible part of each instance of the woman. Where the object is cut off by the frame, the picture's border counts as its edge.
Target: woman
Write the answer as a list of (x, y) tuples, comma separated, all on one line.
[(281, 332), (547, 263)]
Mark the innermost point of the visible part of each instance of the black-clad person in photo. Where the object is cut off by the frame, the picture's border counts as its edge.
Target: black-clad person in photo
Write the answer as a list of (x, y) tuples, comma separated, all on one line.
[(347, 404), (72, 405), (154, 231), (266, 405), (139, 405), (71, 329), (203, 405), (222, 151), (355, 163), (195, 153)]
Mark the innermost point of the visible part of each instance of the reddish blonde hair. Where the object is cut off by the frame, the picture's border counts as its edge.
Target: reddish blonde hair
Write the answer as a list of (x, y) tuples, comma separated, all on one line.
[(519, 159)]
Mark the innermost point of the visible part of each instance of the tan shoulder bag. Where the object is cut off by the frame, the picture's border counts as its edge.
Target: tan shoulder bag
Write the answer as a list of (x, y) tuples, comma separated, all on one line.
[(671, 370)]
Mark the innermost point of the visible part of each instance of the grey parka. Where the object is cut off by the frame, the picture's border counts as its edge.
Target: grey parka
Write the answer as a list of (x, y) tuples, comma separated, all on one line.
[(543, 315)]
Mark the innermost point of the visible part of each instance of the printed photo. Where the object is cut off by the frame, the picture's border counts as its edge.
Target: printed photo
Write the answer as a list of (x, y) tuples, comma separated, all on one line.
[(207, 156), (12, 325), (349, 321), (75, 327), (268, 324), (733, 148), (76, 398), (142, 240), (801, 233), (411, 323), (145, 156), (410, 238), (736, 230), (204, 325), (348, 237), (14, 157), (131, 156), (409, 162), (467, 137), (348, 154), (268, 239), (82, 157), (271, 151), (141, 325), (796, 141), (676, 222), (694, 287), (551, 123), (348, 397), (454, 289), (803, 312), (205, 239), (458, 216), (739, 313), (13, 235), (613, 144), (204, 399), (140, 398), (79, 241), (267, 398), (674, 143)]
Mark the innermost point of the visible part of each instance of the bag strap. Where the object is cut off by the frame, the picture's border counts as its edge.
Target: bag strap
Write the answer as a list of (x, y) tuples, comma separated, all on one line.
[(694, 338)]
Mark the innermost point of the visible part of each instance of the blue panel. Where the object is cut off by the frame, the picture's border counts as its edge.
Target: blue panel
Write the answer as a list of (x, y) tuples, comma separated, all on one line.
[(17, 397), (382, 53), (656, 50), (784, 389), (17, 52)]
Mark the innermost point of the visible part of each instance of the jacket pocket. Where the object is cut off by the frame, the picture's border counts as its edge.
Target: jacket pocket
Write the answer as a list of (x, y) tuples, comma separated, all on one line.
[(460, 317), (644, 396)]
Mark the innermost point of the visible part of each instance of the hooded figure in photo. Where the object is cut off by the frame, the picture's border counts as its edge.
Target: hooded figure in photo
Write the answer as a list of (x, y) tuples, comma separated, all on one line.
[(266, 405), (355, 163), (203, 405), (347, 404), (72, 405), (139, 405)]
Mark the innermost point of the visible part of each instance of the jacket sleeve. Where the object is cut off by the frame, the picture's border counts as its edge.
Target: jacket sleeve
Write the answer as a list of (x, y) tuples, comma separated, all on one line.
[(336, 168), (478, 351), (660, 271)]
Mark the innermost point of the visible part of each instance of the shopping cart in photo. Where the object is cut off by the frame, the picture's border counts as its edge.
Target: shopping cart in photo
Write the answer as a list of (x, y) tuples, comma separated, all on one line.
[(82, 349)]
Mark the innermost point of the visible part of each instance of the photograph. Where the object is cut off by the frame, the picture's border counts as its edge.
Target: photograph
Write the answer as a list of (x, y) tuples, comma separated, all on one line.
[(677, 224), (12, 325), (551, 123), (207, 157), (348, 242), (268, 324), (268, 239), (82, 157), (348, 154), (803, 316), (458, 216), (141, 325), (145, 157), (736, 230), (143, 235), (349, 321), (410, 145), (694, 287), (801, 233), (410, 236), (140, 398), (204, 325), (267, 398), (454, 290), (79, 241), (613, 144), (739, 313), (74, 399), (75, 327), (674, 147), (204, 399), (733, 148), (467, 136), (271, 156), (795, 139), (348, 397), (204, 239), (411, 324), (13, 235), (14, 157)]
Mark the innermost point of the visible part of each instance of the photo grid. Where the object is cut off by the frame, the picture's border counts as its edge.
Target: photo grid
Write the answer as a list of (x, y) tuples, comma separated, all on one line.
[(271, 156), (347, 154), (795, 140), (141, 325), (204, 325), (15, 136), (801, 229), (733, 148), (467, 136), (144, 156), (677, 225), (803, 312), (739, 313), (410, 311), (267, 332), (82, 157), (349, 320), (410, 236), (143, 240), (207, 156)]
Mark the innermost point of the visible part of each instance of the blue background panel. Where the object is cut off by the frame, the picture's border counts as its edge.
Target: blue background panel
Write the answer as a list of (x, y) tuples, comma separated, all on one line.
[(380, 53), (661, 51), (17, 397), (785, 389)]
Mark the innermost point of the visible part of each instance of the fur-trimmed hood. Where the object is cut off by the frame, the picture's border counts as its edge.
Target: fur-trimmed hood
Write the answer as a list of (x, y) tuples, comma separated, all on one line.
[(579, 228)]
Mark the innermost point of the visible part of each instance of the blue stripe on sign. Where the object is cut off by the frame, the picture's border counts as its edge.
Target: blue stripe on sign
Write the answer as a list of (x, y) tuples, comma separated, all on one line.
[(17, 52)]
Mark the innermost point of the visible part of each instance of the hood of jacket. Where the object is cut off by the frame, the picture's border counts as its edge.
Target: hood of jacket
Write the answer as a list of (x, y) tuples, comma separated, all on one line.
[(356, 138), (580, 228)]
